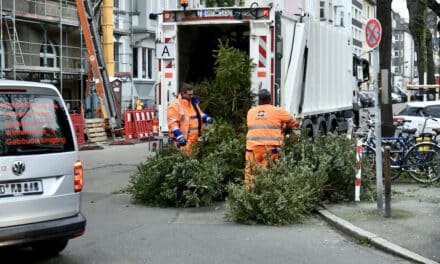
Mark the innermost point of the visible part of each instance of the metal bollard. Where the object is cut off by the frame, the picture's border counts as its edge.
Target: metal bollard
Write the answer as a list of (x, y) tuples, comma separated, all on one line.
[(387, 181)]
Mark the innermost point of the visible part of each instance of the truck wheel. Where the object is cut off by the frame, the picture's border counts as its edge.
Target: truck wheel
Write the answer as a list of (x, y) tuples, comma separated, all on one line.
[(307, 126), (321, 126), (332, 124), (321, 131)]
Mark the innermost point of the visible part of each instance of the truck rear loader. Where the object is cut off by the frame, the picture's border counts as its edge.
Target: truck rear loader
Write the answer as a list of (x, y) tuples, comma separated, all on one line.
[(305, 60)]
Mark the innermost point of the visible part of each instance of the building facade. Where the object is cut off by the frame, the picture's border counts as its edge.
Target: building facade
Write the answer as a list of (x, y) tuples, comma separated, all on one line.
[(42, 41), (403, 58)]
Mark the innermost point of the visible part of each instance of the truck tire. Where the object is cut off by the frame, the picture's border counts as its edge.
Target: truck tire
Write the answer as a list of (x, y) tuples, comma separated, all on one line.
[(307, 126), (332, 124), (320, 126)]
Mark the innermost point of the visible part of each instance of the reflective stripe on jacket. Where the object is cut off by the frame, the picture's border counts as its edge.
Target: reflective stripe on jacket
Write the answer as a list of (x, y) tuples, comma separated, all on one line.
[(182, 115), (265, 125)]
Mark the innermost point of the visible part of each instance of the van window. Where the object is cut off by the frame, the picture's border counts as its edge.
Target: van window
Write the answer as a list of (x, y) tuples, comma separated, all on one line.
[(33, 124)]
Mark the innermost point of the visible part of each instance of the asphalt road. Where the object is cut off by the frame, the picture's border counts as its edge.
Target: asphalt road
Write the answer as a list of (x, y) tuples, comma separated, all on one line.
[(119, 231)]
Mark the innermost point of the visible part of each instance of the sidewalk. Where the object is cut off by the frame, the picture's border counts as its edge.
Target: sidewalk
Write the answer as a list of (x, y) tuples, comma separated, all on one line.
[(412, 231)]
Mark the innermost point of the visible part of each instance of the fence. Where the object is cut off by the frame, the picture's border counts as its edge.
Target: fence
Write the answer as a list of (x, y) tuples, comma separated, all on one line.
[(140, 124)]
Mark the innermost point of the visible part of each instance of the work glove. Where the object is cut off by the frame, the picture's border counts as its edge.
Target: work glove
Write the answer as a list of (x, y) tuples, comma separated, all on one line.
[(195, 100), (287, 131), (206, 118), (182, 141)]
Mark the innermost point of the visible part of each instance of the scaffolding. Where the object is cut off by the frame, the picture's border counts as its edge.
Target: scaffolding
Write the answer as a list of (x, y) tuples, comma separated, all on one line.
[(41, 41)]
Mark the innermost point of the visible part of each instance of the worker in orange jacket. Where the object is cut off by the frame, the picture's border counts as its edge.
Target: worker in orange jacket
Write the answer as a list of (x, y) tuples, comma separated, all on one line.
[(139, 104), (185, 118), (265, 124)]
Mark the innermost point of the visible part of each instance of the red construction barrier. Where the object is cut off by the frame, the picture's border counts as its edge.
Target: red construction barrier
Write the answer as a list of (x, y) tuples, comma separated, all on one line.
[(78, 127), (139, 123), (149, 114), (130, 128)]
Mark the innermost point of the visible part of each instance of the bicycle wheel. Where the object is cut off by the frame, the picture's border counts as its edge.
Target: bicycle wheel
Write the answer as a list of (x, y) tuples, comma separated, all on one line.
[(422, 162), (369, 164)]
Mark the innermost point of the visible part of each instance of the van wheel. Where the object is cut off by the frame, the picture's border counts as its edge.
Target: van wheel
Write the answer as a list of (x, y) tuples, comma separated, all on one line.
[(50, 247)]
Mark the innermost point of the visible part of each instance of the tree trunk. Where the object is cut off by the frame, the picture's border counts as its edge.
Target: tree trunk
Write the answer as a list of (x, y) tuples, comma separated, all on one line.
[(384, 16), (430, 57), (416, 12)]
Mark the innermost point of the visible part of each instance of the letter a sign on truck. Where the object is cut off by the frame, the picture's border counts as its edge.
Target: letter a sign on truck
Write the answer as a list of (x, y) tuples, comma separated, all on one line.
[(373, 33)]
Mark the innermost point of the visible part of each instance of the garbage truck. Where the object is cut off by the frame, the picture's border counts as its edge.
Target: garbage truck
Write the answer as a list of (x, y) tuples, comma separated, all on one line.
[(301, 53)]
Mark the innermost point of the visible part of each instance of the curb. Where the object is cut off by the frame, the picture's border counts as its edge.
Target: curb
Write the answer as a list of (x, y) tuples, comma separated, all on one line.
[(373, 239)]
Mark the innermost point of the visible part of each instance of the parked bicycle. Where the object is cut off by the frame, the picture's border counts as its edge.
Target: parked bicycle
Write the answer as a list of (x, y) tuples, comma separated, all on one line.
[(421, 160)]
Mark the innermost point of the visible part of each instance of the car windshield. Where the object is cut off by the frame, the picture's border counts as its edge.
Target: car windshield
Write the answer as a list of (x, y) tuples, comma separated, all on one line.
[(411, 111), (33, 124)]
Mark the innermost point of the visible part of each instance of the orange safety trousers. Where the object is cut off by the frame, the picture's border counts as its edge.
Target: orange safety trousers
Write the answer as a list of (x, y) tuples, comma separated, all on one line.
[(193, 138), (257, 155)]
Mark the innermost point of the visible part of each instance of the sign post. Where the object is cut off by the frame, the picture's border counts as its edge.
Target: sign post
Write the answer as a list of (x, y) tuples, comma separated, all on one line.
[(373, 35)]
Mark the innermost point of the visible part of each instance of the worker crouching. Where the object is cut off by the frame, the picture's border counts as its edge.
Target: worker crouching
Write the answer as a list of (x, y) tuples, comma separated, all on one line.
[(265, 124), (185, 119)]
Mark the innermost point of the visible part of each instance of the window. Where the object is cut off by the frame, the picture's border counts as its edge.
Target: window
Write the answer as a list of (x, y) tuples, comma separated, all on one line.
[(48, 55), (116, 55), (341, 14), (135, 63), (33, 124), (142, 63), (321, 9)]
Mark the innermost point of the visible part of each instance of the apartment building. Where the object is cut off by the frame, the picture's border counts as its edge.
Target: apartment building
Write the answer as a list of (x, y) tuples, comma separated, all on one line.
[(357, 27), (42, 40), (403, 57)]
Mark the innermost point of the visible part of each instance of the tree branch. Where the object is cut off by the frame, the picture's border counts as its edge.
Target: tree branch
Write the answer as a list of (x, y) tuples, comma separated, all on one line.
[(434, 6)]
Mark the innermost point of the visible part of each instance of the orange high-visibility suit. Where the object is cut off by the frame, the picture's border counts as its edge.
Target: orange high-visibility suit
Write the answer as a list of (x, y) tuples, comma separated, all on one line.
[(139, 105), (265, 134), (185, 118)]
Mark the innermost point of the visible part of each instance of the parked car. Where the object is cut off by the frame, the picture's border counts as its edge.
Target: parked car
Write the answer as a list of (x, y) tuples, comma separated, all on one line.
[(41, 176), (399, 92), (418, 113), (419, 94), (395, 98), (367, 98)]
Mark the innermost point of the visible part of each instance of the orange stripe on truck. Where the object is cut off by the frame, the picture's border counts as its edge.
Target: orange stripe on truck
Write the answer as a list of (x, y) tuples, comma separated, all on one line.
[(168, 75)]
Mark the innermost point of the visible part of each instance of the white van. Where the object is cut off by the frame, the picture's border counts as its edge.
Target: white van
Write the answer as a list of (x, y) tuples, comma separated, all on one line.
[(41, 177)]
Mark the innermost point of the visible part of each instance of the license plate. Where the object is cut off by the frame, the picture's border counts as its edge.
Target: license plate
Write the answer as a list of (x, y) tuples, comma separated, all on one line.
[(216, 13), (20, 188)]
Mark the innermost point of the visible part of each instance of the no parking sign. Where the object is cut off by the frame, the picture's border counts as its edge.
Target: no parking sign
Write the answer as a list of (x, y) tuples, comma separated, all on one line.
[(373, 33)]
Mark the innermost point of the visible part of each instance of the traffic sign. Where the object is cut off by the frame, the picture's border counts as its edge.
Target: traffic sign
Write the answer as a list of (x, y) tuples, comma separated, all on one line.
[(373, 33)]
